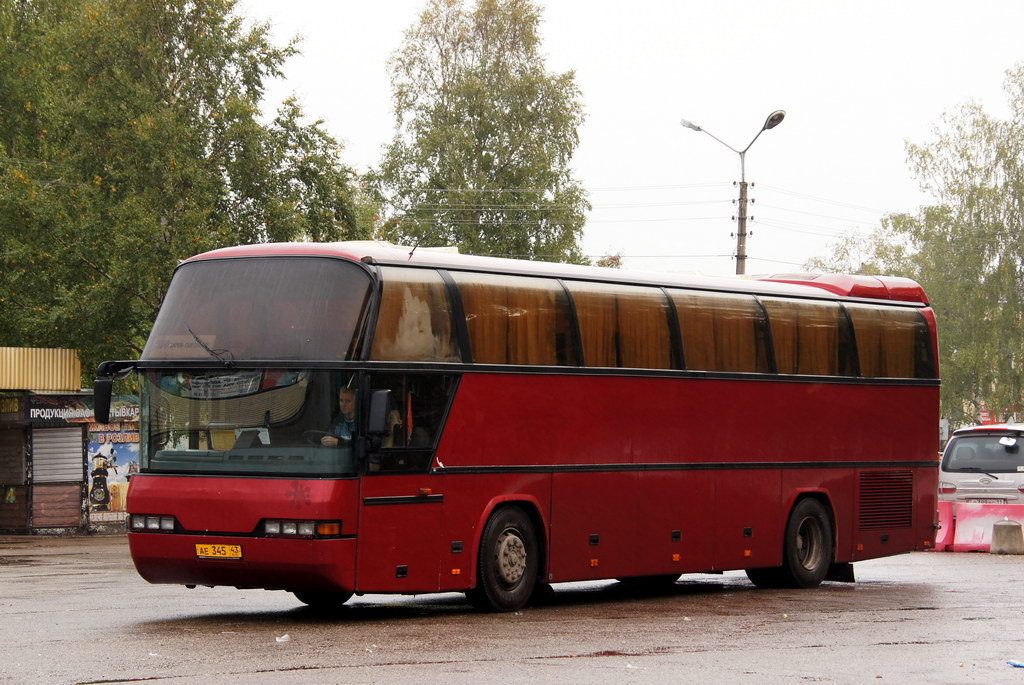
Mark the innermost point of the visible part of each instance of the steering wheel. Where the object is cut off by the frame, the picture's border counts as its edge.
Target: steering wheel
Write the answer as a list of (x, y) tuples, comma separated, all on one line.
[(313, 437)]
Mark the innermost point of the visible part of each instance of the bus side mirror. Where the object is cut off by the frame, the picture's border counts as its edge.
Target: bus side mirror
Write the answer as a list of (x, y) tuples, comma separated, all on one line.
[(380, 413), (101, 392), (103, 386)]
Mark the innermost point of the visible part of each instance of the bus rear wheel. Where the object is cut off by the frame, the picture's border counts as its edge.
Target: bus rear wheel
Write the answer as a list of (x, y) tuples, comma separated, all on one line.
[(806, 550), (321, 599), (507, 563)]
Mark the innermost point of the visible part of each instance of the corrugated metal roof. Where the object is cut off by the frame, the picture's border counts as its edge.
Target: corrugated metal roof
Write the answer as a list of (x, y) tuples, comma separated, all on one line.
[(40, 369)]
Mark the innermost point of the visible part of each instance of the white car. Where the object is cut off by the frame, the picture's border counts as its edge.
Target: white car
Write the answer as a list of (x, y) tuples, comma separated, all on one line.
[(984, 464)]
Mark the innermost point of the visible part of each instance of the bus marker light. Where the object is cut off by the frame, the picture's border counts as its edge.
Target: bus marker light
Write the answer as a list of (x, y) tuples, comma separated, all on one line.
[(426, 491), (747, 553), (675, 557), (328, 528), (593, 563), (456, 571), (301, 529), (860, 547)]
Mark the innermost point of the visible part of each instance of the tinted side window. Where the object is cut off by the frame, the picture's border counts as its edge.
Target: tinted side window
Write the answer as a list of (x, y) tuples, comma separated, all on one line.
[(892, 342), (809, 337), (414, 322), (517, 320), (722, 332), (623, 326)]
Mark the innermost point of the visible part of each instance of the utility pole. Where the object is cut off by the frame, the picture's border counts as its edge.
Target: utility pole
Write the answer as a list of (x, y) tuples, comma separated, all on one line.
[(741, 229), (773, 120)]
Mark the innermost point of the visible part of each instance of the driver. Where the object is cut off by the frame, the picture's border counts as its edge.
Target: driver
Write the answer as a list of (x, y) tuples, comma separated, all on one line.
[(344, 427)]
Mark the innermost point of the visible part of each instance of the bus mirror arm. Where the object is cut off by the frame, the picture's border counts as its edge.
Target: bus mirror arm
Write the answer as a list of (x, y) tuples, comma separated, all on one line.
[(102, 387)]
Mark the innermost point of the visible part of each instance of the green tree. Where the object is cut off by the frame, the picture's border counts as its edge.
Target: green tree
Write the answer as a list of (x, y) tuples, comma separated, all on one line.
[(967, 250), (484, 137), (132, 138)]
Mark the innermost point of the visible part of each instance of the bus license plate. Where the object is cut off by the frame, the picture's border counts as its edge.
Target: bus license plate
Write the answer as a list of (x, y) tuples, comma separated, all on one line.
[(219, 551)]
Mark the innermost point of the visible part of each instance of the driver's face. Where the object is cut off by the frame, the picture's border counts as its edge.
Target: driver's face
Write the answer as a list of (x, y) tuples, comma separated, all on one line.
[(347, 403)]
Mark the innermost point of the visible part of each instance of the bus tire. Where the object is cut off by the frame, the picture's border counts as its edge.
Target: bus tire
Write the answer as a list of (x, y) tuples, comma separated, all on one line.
[(806, 549), (507, 562), (765, 577), (320, 599), (807, 552)]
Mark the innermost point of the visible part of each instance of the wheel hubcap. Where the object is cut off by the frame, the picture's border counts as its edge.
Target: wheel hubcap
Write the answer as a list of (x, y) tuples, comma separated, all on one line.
[(809, 544), (511, 556)]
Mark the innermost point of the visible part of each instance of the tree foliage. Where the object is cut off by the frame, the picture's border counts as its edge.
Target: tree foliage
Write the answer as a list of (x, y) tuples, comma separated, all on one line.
[(967, 250), (485, 136), (132, 138)]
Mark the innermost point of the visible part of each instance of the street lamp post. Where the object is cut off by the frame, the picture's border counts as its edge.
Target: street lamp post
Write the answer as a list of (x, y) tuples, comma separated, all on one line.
[(773, 120)]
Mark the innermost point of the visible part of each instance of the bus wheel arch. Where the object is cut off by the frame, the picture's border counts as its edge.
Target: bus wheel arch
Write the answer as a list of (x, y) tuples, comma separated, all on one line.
[(509, 558), (808, 547)]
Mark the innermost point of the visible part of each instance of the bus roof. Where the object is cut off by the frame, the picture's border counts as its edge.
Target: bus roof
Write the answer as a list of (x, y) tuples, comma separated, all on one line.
[(801, 285)]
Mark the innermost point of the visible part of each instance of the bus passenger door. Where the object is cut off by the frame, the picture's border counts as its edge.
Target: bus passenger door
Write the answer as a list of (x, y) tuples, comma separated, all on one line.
[(400, 528)]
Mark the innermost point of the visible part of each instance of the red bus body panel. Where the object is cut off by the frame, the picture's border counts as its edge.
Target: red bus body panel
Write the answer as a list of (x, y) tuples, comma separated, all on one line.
[(739, 480)]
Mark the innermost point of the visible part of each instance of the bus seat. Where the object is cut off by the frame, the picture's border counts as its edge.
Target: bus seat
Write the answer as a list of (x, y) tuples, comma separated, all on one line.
[(222, 439), (248, 439)]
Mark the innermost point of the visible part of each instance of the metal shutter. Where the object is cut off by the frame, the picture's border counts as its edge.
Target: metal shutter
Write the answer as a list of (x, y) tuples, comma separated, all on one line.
[(58, 455)]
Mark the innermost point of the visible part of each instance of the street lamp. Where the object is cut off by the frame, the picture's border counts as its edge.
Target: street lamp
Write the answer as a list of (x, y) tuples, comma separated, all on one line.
[(773, 120)]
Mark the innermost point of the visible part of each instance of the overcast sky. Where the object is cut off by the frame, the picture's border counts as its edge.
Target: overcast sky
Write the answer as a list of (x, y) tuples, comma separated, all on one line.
[(857, 81)]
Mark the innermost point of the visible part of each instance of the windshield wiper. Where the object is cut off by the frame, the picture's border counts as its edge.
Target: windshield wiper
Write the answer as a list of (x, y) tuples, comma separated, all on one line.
[(216, 354), (975, 469)]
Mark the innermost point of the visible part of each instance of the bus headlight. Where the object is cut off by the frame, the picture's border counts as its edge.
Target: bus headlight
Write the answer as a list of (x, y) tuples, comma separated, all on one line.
[(151, 523)]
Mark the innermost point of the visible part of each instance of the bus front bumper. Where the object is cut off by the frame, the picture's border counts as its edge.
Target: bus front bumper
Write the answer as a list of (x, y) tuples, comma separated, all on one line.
[(245, 562)]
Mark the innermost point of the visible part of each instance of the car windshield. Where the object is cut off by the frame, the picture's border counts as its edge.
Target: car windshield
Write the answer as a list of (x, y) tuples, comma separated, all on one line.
[(270, 422), (994, 453)]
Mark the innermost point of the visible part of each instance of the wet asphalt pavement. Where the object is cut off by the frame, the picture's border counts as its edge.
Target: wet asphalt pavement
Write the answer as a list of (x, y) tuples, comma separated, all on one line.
[(74, 611)]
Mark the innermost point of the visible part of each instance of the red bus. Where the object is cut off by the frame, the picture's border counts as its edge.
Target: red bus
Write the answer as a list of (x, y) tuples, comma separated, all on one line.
[(331, 419)]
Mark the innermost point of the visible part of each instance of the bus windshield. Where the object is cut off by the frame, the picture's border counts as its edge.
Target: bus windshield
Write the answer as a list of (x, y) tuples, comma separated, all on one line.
[(281, 309), (270, 422)]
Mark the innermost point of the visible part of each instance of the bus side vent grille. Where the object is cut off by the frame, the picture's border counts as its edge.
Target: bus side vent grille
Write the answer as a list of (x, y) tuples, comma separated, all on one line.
[(886, 499)]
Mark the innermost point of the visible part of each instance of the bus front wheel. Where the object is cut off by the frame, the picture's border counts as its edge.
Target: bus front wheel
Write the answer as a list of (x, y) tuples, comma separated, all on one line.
[(319, 599), (507, 563), (806, 550)]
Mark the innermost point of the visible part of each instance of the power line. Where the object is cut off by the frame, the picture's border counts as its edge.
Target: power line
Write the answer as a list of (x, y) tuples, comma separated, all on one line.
[(546, 190), (785, 227), (800, 211), (816, 198), (541, 206)]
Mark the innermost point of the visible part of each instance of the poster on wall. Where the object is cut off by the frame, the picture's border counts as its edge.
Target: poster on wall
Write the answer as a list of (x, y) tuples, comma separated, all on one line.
[(113, 454)]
